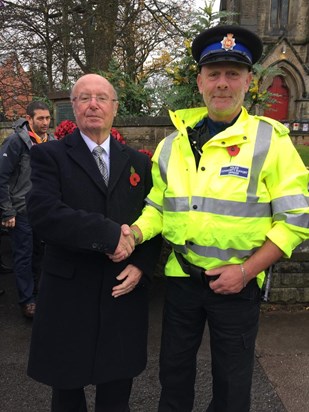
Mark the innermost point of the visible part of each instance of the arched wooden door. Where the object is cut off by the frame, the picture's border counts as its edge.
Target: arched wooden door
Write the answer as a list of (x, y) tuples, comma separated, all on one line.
[(280, 109)]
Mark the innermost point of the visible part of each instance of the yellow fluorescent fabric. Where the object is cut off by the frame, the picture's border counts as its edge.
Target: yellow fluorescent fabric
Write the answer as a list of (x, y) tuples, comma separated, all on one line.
[(223, 211)]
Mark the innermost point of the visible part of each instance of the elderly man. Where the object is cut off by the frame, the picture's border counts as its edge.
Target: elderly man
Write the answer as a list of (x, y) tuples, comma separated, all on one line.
[(229, 206), (92, 314)]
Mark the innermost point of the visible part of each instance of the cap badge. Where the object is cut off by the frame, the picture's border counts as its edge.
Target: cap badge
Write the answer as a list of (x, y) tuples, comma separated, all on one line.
[(228, 42)]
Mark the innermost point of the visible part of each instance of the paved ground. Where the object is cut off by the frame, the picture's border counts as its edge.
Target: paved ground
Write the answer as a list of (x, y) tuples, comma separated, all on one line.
[(281, 375)]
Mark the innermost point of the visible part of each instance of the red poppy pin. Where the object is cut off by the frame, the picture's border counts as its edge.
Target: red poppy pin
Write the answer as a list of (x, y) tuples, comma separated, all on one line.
[(134, 177), (233, 150)]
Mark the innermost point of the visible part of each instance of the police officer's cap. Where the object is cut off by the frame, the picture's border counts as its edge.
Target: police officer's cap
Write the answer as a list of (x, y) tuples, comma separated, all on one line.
[(227, 43)]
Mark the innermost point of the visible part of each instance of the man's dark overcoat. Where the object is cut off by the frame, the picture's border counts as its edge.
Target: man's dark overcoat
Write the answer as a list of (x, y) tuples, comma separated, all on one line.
[(81, 334)]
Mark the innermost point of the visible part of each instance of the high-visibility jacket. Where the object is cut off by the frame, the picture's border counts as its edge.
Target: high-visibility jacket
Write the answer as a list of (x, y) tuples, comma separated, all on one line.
[(250, 185)]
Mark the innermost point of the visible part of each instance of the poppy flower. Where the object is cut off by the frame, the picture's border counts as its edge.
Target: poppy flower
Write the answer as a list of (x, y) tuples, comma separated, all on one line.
[(117, 135), (233, 150), (64, 128), (134, 177), (147, 152)]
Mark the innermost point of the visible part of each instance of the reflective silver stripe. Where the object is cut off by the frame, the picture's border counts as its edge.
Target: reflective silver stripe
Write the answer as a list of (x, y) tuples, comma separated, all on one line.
[(155, 205), (222, 254), (262, 143), (176, 204), (212, 251), (289, 203), (300, 219), (219, 207), (165, 154), (230, 207)]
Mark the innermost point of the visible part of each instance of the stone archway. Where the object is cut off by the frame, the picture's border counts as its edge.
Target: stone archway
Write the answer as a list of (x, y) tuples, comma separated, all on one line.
[(289, 82)]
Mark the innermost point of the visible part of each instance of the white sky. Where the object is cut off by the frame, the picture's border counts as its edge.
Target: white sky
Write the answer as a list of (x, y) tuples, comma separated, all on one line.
[(200, 3)]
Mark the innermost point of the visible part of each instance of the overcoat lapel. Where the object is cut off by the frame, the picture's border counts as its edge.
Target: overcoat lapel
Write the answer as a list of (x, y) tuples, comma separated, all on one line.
[(79, 152), (118, 161)]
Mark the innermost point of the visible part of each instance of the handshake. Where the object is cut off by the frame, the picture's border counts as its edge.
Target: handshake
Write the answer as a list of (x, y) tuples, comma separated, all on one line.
[(129, 238)]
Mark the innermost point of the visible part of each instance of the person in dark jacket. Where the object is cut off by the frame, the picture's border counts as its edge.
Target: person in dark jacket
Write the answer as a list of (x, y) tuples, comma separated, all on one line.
[(92, 314), (14, 185)]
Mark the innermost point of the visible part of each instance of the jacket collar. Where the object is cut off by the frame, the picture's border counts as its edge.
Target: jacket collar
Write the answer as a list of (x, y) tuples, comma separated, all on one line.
[(80, 153), (190, 117)]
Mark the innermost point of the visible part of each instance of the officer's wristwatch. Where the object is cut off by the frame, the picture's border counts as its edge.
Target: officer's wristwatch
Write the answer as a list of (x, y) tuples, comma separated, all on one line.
[(136, 236)]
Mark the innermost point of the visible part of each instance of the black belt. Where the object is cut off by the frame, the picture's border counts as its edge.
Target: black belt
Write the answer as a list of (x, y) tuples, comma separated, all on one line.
[(195, 272)]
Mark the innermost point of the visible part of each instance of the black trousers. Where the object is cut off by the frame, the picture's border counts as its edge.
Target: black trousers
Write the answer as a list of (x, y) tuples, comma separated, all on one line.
[(22, 248), (233, 325), (110, 397)]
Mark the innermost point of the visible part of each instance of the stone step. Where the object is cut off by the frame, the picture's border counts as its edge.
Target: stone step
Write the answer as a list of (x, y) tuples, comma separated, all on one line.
[(289, 295)]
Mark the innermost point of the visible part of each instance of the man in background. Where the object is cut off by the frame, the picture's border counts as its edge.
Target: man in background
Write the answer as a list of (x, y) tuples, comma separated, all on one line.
[(14, 185)]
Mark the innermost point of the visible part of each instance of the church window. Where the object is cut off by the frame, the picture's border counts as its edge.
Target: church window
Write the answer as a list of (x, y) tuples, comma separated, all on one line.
[(279, 16)]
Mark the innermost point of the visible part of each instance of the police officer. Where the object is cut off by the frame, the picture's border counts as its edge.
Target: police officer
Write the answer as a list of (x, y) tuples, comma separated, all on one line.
[(226, 202)]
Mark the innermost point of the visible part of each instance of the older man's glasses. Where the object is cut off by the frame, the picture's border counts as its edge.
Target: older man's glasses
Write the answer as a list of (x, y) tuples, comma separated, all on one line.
[(86, 98)]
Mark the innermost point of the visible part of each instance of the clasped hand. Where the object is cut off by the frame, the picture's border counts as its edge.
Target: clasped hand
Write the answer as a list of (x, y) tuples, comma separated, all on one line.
[(126, 245)]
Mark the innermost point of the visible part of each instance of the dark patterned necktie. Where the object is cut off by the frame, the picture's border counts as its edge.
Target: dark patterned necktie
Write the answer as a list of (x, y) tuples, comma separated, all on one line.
[(97, 154)]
